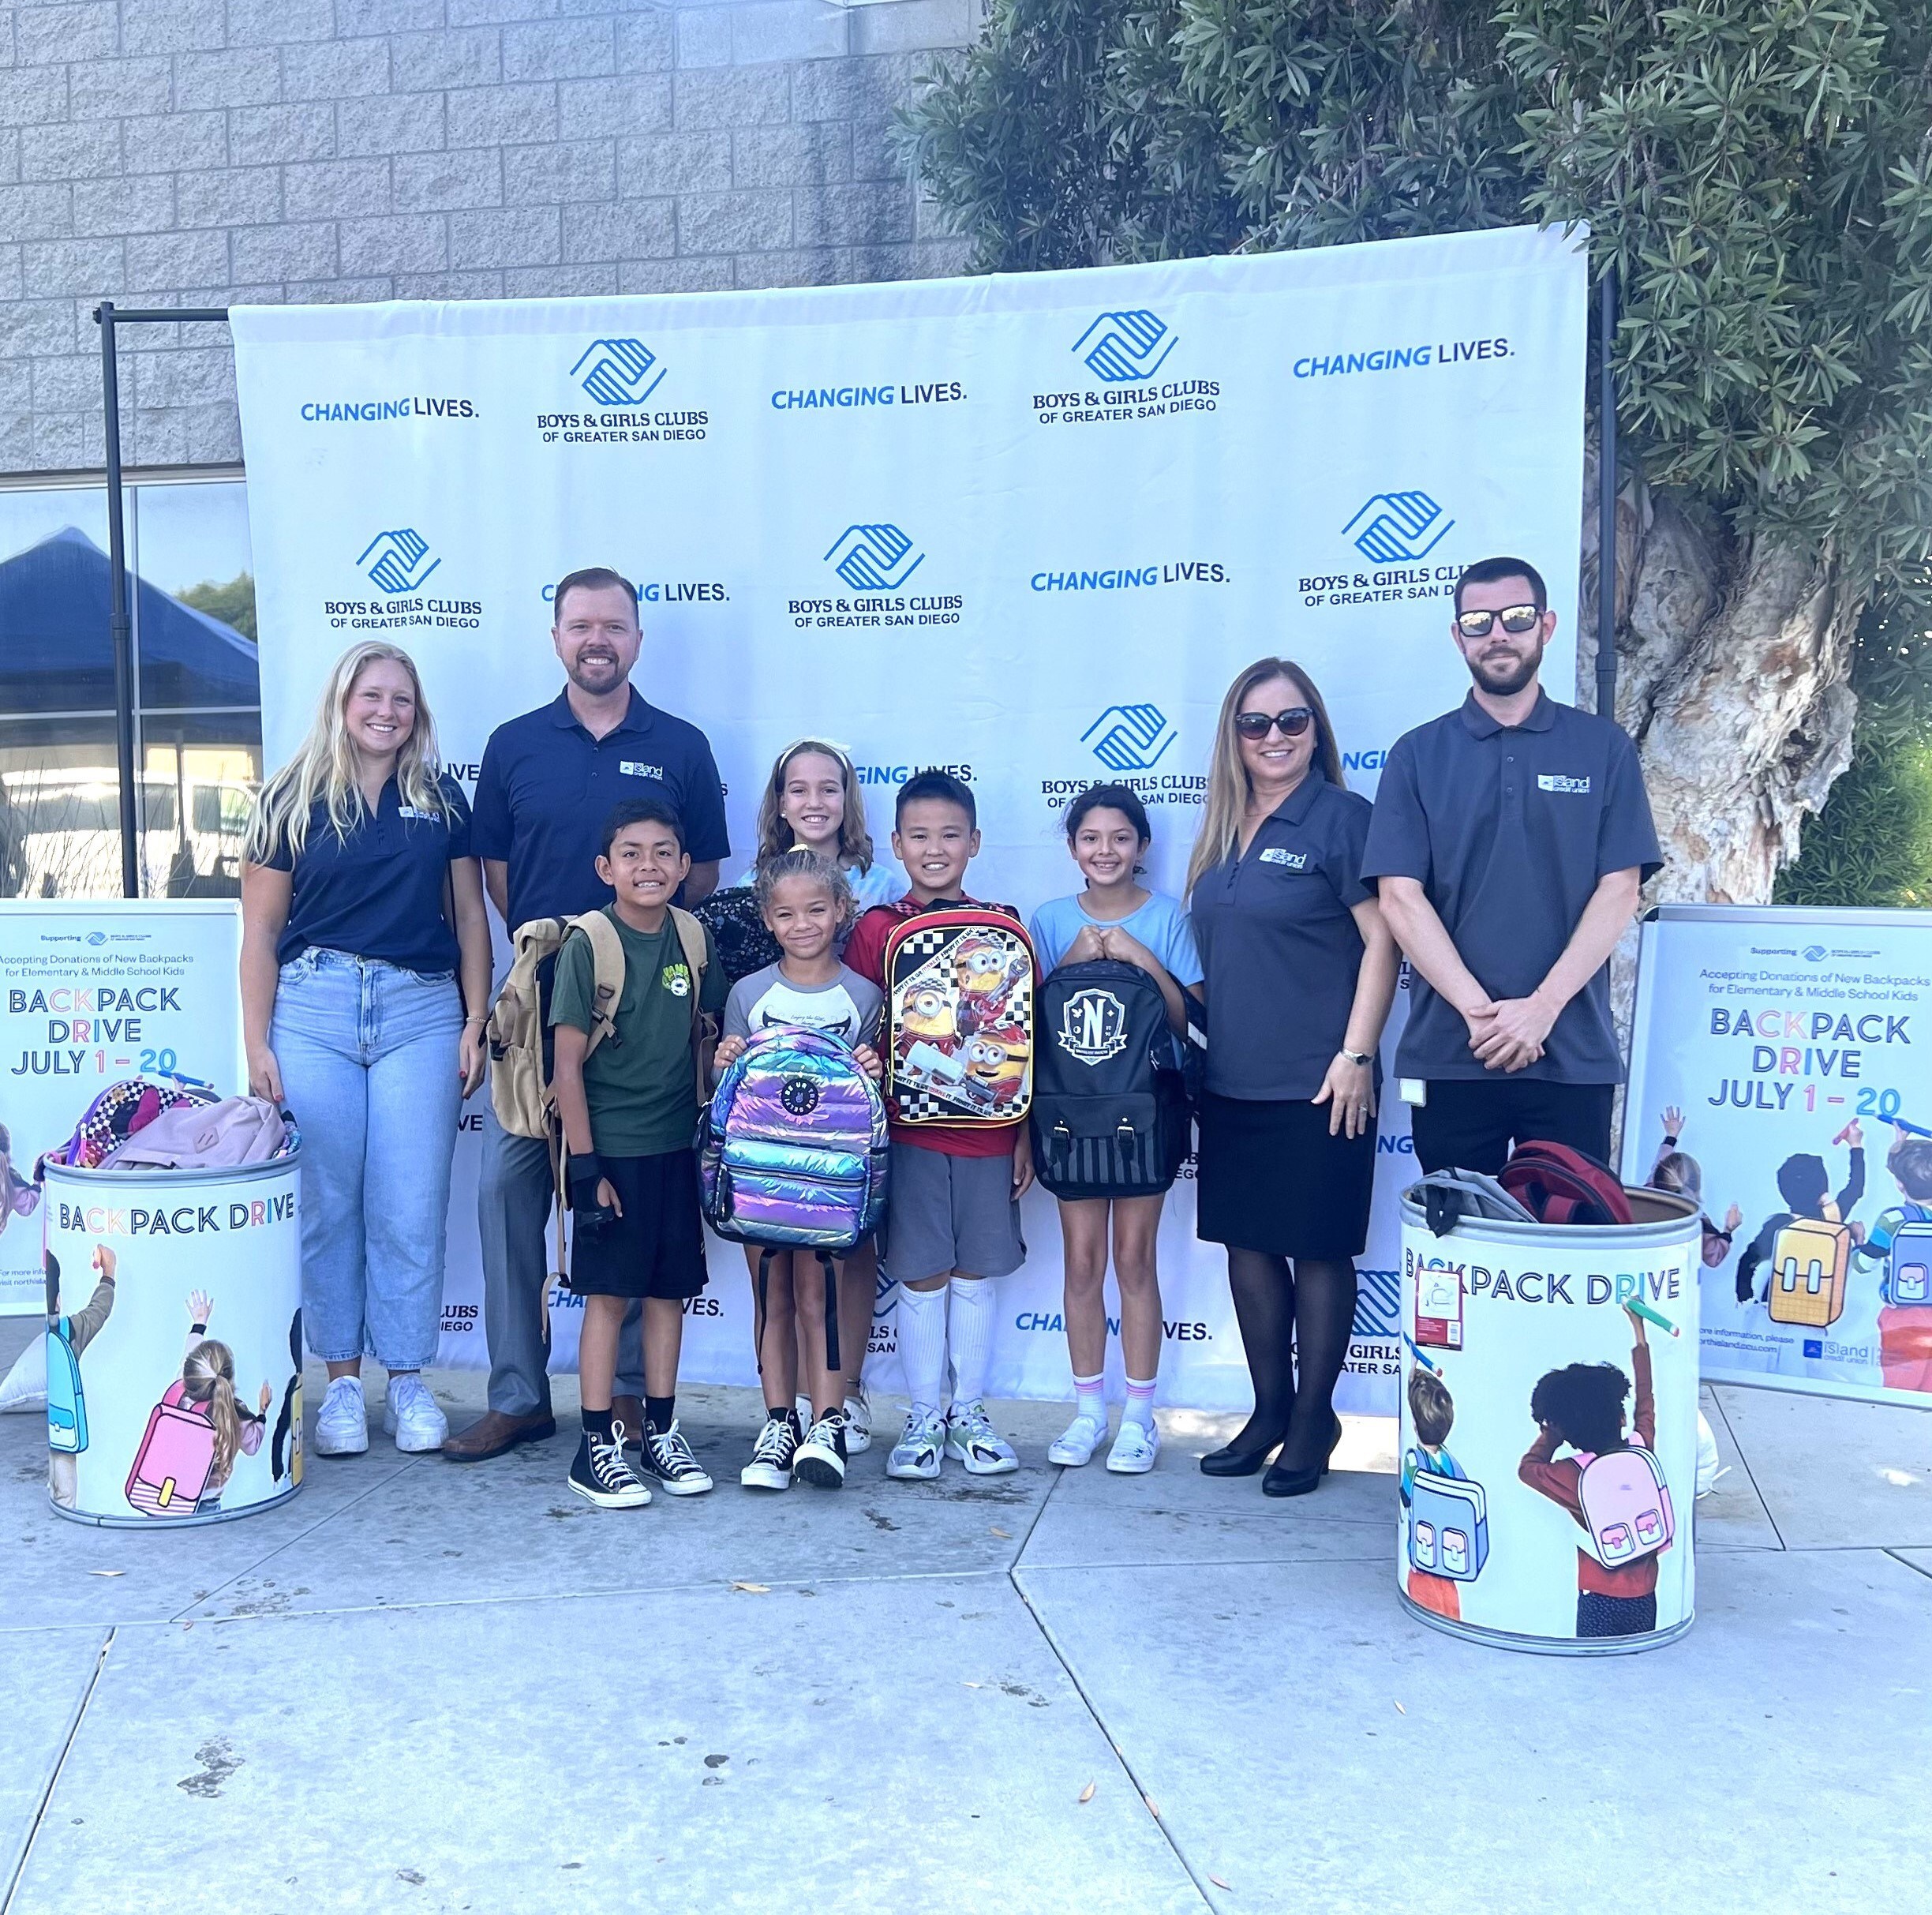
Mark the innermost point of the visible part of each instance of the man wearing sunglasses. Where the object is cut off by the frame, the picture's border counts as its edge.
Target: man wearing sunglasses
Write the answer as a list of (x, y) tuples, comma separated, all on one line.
[(1510, 840)]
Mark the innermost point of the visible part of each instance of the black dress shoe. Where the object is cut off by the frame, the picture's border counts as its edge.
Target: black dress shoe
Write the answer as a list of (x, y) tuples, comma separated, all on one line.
[(1279, 1482), (1232, 1462)]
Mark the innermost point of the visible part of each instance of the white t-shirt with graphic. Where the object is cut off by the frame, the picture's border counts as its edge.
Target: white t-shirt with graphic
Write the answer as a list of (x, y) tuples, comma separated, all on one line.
[(846, 1007)]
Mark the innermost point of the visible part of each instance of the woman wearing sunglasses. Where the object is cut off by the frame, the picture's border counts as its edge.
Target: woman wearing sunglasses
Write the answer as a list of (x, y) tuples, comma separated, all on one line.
[(1300, 973)]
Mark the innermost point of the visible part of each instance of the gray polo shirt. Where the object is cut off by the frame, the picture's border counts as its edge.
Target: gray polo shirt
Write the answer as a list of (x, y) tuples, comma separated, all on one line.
[(1508, 829), (1278, 946)]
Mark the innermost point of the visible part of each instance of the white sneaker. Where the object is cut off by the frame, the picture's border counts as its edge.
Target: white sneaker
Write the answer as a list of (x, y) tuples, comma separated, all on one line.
[(412, 1415), (1077, 1444), (916, 1457), (858, 1422), (970, 1435), (1134, 1448), (342, 1426)]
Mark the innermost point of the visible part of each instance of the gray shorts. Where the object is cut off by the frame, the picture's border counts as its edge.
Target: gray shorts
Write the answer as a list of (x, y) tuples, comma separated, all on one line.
[(951, 1213)]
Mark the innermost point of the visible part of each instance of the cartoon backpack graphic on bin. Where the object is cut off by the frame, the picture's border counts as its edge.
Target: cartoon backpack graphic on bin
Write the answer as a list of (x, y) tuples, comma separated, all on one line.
[(1448, 1525), (176, 1457), (1626, 1504), (1809, 1258)]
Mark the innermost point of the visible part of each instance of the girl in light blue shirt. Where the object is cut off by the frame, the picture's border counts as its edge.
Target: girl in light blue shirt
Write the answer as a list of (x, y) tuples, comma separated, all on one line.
[(1115, 916)]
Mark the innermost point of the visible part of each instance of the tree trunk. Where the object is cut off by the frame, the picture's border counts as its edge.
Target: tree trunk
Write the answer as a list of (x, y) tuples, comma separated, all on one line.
[(1733, 658)]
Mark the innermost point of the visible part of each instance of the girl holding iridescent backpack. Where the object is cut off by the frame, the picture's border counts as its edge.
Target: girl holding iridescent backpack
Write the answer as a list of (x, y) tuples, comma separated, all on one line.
[(805, 903)]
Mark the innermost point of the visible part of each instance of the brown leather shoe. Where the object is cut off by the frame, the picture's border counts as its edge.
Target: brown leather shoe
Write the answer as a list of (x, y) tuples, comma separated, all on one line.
[(629, 1410), (493, 1434)]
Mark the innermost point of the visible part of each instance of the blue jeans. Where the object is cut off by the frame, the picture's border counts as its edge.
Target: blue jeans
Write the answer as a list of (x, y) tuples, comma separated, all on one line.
[(369, 1053)]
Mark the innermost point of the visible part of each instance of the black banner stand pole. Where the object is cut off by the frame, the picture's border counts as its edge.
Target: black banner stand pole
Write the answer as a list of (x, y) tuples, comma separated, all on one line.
[(120, 625)]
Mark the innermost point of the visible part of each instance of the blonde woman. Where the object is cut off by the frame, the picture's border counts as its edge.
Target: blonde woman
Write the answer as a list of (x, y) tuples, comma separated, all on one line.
[(1300, 973), (365, 976)]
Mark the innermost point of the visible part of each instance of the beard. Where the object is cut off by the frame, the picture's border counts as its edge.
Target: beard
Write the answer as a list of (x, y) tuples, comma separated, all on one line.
[(598, 674), (1504, 677)]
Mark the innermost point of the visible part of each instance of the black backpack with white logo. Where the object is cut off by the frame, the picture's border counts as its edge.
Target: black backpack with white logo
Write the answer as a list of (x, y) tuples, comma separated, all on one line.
[(1110, 1108)]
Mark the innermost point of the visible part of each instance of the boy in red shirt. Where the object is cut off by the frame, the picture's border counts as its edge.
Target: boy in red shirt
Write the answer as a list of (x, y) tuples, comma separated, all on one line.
[(954, 1219)]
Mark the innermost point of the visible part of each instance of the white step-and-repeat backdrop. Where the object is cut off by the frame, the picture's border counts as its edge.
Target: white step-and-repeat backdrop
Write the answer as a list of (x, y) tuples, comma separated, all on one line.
[(1026, 528)]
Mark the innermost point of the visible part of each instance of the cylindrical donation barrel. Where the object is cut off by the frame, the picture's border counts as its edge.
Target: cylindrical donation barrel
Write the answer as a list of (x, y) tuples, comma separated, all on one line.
[(1549, 1429), (174, 1342)]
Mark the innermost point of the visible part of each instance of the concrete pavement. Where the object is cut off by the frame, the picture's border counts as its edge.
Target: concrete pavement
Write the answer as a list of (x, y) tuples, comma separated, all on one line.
[(418, 1687)]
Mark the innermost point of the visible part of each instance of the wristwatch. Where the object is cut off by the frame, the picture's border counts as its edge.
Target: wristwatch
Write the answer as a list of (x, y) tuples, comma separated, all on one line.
[(1364, 1058)]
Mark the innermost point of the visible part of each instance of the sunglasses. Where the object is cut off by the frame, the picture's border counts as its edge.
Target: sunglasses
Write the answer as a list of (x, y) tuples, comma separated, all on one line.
[(1256, 725), (1515, 619)]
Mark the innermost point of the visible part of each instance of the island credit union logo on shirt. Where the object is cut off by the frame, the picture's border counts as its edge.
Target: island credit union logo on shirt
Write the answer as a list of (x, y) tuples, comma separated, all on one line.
[(636, 768), (1288, 860), (1554, 781)]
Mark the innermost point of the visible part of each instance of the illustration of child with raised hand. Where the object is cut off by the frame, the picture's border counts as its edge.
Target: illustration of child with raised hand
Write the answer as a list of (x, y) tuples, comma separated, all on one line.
[(67, 1337), (1901, 1240), (1680, 1174), (208, 1387), (1805, 1185), (629, 1111), (805, 903), (1580, 1406)]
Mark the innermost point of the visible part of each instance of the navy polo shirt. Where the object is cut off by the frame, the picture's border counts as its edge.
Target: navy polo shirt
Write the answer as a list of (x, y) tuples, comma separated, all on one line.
[(1278, 945), (1508, 829), (376, 892), (546, 786)]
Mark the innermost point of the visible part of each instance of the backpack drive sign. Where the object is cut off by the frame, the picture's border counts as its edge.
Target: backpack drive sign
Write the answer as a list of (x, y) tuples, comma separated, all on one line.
[(1781, 1075)]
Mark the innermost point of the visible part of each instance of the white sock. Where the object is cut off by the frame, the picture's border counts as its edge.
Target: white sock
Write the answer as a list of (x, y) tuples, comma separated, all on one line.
[(922, 1329), (973, 1307), (1090, 1398), (1139, 1404)]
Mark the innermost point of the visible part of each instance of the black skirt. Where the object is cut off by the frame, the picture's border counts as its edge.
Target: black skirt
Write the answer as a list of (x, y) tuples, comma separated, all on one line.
[(1271, 1178)]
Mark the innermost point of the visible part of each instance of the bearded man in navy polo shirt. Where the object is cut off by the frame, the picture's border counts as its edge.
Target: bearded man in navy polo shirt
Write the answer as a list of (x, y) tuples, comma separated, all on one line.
[(549, 780), (1510, 841)]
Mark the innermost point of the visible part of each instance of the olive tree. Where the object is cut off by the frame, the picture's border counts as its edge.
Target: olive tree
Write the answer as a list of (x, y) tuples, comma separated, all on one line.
[(1758, 173)]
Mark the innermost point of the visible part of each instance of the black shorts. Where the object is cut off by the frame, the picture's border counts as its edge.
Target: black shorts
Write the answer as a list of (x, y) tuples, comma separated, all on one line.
[(656, 1249)]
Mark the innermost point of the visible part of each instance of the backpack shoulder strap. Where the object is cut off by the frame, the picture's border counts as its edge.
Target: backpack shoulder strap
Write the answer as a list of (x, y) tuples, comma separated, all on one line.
[(696, 947), (607, 973)]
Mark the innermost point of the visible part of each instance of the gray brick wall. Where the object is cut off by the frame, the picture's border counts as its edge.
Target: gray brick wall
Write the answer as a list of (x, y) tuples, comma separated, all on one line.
[(212, 152)]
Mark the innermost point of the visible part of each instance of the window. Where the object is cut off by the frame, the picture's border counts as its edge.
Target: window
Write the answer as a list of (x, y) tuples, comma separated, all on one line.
[(197, 700)]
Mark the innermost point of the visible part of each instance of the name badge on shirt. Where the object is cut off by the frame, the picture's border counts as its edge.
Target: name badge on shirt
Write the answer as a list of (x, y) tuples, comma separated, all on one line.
[(1289, 860), (1554, 781), (411, 810), (635, 768)]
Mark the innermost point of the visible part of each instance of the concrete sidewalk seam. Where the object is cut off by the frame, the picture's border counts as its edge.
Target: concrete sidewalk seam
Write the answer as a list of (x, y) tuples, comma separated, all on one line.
[(288, 1542), (1100, 1723), (1916, 1569), (18, 1874), (1750, 1474)]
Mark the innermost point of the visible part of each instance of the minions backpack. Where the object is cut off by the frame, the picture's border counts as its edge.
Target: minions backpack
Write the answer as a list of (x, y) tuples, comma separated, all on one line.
[(959, 988)]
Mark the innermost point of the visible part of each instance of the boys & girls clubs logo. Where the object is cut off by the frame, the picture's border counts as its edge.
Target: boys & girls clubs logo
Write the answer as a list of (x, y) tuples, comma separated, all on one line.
[(619, 378), (873, 560), (1124, 352), (1399, 533), (1127, 744), (399, 565)]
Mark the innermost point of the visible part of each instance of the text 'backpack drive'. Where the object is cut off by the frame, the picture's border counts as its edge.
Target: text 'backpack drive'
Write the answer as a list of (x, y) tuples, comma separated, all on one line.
[(1110, 1114), (959, 1018)]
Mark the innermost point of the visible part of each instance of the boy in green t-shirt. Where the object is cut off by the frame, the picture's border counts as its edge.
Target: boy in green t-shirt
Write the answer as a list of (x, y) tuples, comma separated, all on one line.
[(629, 1111)]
